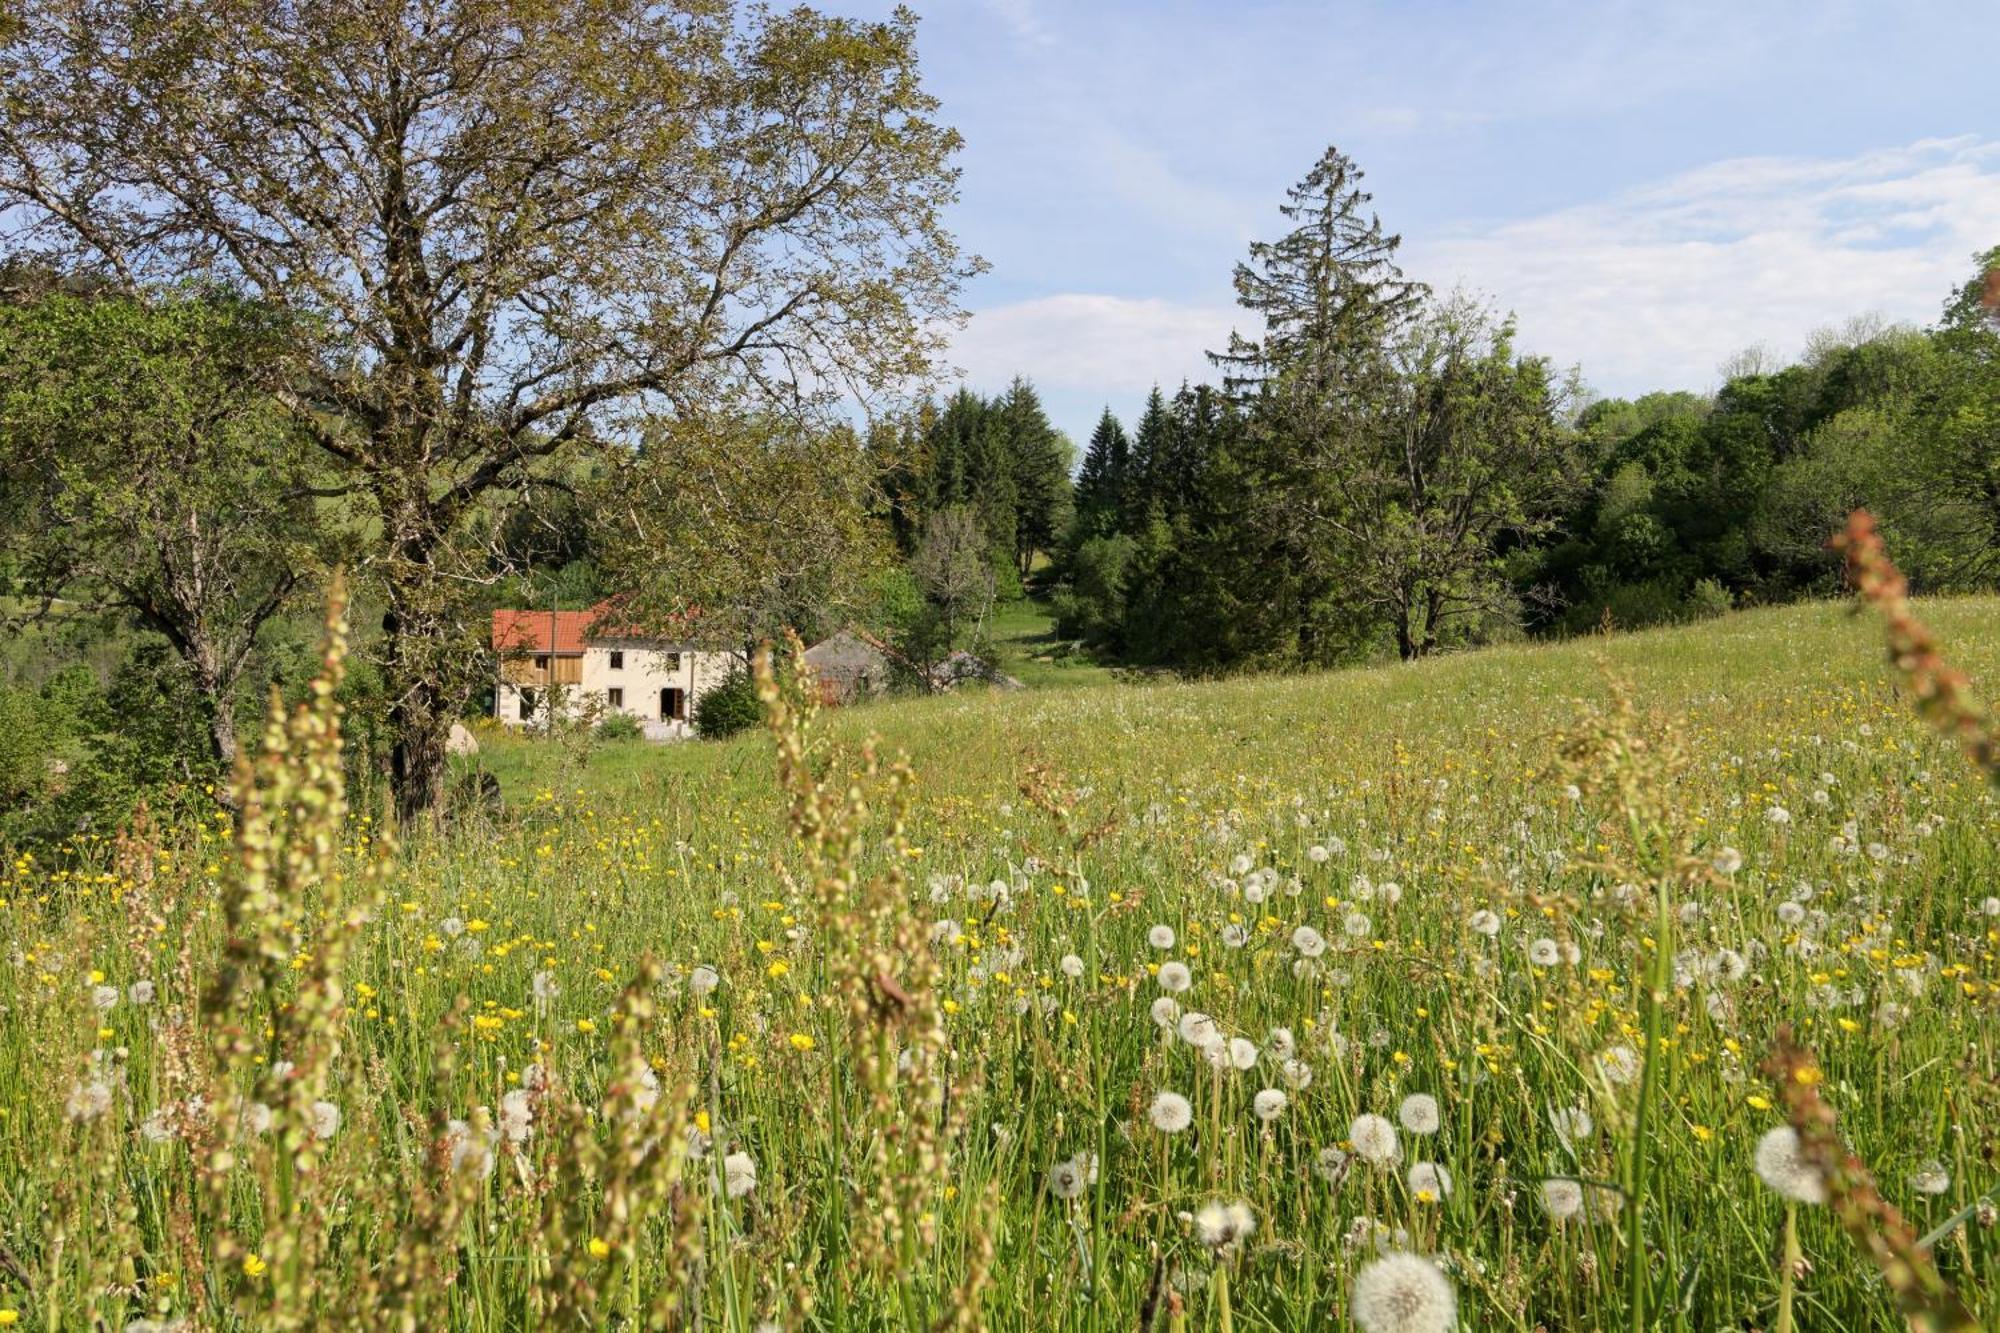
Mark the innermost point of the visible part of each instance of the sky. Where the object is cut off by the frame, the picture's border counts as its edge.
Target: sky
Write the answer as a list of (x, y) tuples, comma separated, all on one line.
[(1649, 188)]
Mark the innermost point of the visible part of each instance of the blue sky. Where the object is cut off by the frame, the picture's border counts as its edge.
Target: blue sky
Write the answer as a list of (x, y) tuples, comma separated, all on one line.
[(1649, 187)]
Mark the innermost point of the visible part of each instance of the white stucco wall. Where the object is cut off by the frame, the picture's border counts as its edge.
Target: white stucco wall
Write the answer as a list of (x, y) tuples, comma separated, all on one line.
[(644, 672)]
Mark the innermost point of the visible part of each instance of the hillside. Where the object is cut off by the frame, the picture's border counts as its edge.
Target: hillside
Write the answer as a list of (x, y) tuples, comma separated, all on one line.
[(1211, 989)]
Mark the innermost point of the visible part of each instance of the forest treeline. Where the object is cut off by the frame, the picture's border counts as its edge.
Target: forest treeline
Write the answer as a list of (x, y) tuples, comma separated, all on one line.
[(1382, 470)]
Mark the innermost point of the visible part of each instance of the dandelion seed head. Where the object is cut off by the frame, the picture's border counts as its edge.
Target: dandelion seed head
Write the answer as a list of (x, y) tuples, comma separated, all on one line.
[(1620, 1064), (1419, 1113), (1198, 1029), (739, 1174), (1429, 1178), (1781, 1166), (517, 1117), (1170, 1113), (1930, 1178), (1570, 1123), (1403, 1293), (1219, 1225), (1563, 1199), (1374, 1140)]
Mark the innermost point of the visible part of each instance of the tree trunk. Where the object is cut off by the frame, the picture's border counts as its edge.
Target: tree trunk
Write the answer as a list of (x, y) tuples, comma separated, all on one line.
[(419, 720), (1406, 640), (222, 739), (425, 661), (219, 698), (1433, 609)]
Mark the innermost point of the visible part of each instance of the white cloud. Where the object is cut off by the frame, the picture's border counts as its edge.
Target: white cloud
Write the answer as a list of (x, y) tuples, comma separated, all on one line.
[(1023, 20), (1655, 287), (1650, 289), (1111, 346)]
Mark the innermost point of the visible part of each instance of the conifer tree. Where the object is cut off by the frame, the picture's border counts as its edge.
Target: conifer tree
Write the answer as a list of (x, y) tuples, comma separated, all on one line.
[(1331, 300), (1100, 486), (1039, 458), (1329, 292), (971, 466), (1145, 495)]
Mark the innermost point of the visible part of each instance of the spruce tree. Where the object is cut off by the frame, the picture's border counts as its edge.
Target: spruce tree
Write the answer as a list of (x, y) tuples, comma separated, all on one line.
[(1331, 300), (1100, 486), (1329, 292), (1039, 458), (970, 466), (1145, 496)]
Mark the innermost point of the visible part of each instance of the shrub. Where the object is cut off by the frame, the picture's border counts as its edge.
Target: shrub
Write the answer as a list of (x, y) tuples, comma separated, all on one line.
[(728, 708), (1708, 600), (619, 727)]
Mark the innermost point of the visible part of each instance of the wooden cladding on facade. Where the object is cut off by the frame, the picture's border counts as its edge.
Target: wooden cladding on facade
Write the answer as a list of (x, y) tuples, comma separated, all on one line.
[(535, 669)]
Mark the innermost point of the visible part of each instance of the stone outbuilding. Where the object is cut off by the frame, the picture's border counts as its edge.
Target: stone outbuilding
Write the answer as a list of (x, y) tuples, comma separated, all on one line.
[(850, 667)]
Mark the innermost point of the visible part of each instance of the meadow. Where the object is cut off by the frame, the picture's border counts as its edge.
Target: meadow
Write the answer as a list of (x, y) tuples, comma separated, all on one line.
[(1319, 1002)]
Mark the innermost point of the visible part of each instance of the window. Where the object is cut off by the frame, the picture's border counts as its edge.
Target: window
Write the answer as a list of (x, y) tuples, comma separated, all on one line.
[(673, 661), (617, 661), (541, 661), (527, 705), (673, 705), (615, 696)]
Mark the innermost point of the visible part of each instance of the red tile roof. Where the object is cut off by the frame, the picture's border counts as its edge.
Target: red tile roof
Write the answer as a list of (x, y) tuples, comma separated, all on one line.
[(559, 632), (564, 633)]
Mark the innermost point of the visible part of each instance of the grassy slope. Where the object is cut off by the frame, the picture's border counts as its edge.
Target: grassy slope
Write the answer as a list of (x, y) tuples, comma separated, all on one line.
[(1743, 669)]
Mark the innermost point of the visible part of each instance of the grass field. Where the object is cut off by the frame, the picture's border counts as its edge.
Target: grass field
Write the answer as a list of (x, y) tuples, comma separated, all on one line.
[(1080, 1024)]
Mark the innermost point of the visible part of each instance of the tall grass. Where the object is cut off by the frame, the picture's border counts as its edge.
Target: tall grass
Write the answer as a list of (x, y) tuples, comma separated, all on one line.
[(784, 1032)]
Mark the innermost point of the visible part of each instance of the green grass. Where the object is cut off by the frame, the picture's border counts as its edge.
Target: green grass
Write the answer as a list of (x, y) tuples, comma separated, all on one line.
[(1025, 646), (1101, 812)]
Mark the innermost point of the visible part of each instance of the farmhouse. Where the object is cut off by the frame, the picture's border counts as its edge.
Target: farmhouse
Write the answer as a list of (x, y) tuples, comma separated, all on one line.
[(585, 662)]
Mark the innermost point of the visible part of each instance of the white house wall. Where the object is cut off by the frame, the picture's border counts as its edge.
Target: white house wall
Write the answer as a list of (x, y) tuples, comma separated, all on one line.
[(644, 672)]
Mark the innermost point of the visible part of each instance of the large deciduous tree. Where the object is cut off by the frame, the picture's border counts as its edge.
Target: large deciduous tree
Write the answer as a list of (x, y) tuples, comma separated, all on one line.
[(1469, 453), (518, 222)]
